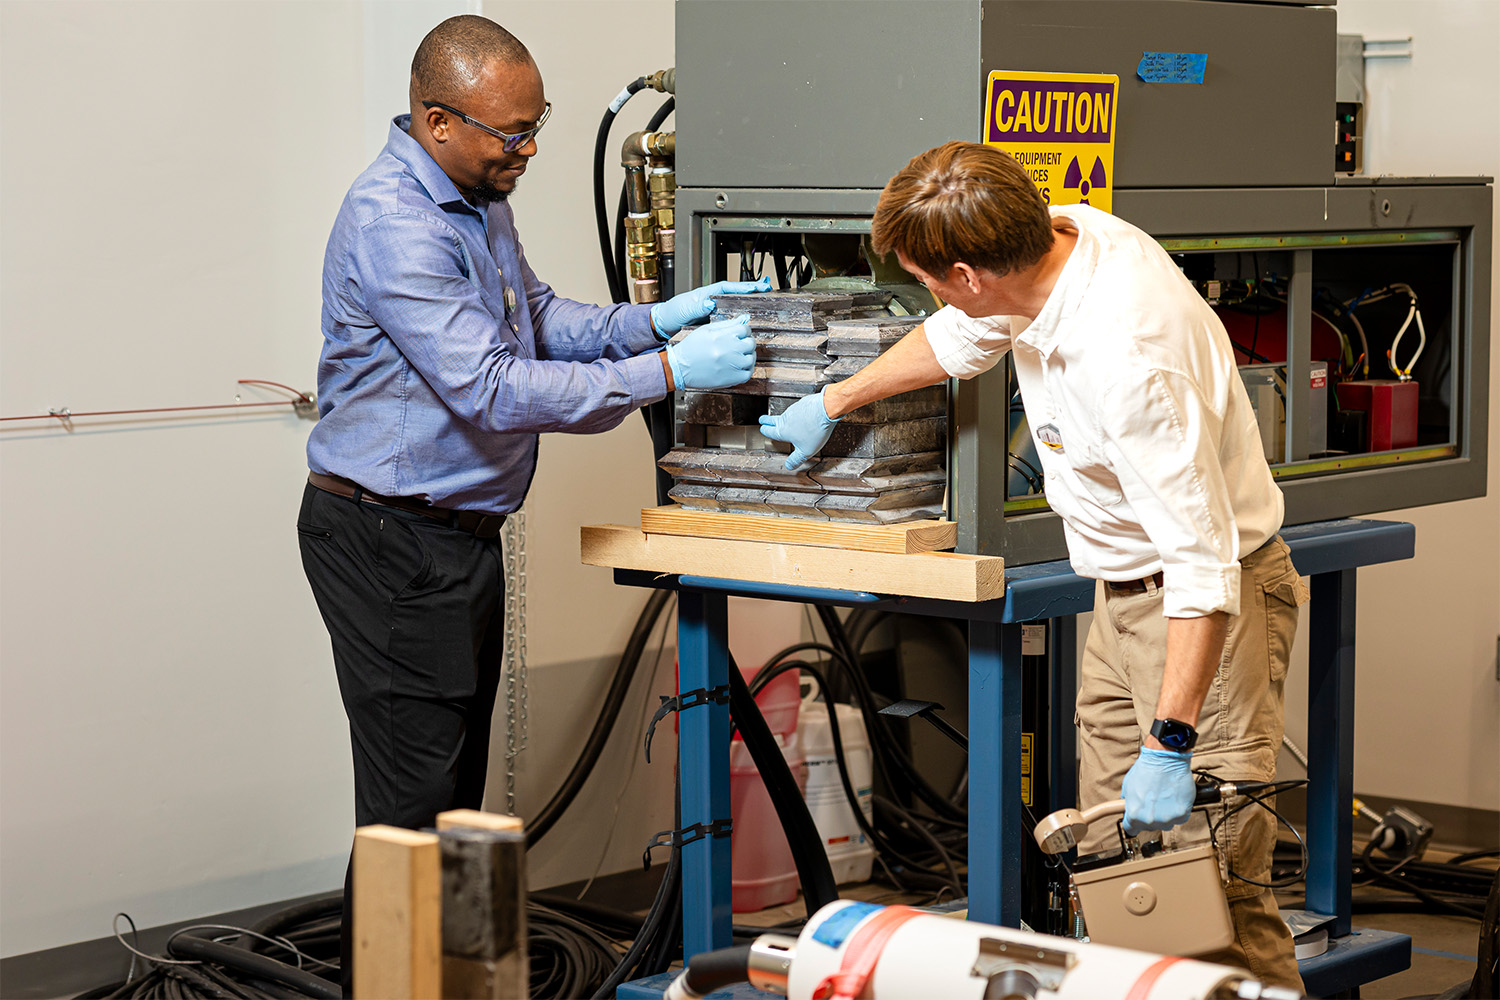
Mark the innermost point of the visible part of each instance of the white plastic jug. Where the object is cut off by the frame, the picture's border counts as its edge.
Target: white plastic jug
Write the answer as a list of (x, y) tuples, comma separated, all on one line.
[(849, 851)]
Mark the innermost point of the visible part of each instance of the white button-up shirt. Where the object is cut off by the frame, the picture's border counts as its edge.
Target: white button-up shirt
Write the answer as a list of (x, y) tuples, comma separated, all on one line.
[(1150, 449)]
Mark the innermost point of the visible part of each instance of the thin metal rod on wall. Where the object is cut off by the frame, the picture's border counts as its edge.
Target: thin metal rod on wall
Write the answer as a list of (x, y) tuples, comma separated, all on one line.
[(303, 400)]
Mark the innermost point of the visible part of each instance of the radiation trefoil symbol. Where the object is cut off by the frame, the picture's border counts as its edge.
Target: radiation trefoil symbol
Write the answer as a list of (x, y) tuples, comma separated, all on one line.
[(1074, 178)]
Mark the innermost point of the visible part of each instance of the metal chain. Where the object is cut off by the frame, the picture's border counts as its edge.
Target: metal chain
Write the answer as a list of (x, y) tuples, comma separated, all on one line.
[(520, 661), (516, 723)]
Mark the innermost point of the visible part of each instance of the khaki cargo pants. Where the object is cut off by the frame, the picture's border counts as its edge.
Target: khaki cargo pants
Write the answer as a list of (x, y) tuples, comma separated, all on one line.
[(1239, 733)]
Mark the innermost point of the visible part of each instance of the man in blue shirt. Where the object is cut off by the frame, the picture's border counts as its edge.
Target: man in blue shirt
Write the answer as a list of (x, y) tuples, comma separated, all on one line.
[(443, 358)]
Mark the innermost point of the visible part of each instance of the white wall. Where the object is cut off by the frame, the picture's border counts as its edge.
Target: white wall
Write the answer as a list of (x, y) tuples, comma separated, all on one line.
[(171, 741), (1427, 723)]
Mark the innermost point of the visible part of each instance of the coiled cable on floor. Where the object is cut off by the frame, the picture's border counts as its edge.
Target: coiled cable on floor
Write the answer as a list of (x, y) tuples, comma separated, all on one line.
[(216, 960)]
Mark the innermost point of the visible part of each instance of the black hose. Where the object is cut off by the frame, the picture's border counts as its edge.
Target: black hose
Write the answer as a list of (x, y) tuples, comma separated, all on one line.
[(878, 840), (667, 896), (713, 970), (261, 966), (614, 700), (328, 907), (889, 758), (617, 923), (909, 820), (601, 220), (813, 868), (1392, 880), (935, 799), (622, 273)]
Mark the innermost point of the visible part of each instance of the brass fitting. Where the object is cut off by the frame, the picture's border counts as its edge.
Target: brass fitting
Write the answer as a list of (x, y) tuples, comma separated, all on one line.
[(640, 254), (650, 201), (663, 81), (663, 187)]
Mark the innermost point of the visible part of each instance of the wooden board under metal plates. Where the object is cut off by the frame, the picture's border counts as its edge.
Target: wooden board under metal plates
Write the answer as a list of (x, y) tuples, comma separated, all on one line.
[(946, 576), (906, 538)]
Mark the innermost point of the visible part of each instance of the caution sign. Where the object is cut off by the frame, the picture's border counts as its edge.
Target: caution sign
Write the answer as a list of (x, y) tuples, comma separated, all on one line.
[(1060, 127)]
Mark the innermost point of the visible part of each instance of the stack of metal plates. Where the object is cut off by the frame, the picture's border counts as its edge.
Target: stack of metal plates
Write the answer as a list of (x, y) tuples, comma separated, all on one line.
[(884, 462)]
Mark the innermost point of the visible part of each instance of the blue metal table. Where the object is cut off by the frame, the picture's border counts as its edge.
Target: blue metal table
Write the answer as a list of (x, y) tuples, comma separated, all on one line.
[(1330, 552)]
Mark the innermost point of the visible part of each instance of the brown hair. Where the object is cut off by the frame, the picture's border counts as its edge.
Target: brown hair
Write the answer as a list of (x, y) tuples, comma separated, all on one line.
[(967, 202)]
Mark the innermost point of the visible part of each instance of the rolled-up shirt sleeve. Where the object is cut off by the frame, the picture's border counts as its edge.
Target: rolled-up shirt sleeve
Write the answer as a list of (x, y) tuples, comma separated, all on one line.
[(965, 346), (1165, 451), (409, 273), (578, 331)]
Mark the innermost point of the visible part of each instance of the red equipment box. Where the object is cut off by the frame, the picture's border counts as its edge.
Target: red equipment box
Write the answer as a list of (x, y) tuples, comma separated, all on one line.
[(1392, 407)]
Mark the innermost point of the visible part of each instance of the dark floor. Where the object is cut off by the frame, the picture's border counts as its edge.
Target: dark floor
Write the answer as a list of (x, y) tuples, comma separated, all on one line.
[(1443, 953), (1443, 948)]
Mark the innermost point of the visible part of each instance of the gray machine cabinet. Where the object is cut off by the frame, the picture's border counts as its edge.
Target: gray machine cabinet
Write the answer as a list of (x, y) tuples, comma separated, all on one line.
[(841, 93), (793, 116)]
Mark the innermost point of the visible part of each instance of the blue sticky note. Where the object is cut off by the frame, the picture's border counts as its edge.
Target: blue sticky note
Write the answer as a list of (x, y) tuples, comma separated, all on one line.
[(836, 928), (1172, 67)]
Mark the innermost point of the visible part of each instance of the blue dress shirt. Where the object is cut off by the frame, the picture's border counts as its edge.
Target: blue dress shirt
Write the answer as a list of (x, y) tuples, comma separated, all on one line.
[(444, 355)]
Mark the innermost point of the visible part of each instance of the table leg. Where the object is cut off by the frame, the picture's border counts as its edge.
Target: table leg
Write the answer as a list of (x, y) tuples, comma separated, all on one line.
[(994, 773), (1330, 745), (703, 755), (1062, 736)]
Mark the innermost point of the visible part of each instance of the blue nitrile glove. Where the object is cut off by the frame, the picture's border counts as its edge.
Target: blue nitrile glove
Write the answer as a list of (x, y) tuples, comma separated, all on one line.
[(677, 312), (805, 425), (1158, 791), (715, 356)]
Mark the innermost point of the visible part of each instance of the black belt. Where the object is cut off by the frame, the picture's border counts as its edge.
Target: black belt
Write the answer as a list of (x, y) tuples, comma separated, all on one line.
[(1139, 586), (474, 522), (1134, 586)]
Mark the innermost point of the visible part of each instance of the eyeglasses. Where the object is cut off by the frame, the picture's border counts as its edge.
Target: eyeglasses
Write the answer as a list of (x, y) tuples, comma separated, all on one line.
[(512, 142)]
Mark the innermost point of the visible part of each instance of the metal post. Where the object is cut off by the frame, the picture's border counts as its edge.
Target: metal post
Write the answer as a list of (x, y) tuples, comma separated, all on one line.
[(994, 773), (1330, 745), (977, 457), (1062, 736), (1299, 357), (703, 750)]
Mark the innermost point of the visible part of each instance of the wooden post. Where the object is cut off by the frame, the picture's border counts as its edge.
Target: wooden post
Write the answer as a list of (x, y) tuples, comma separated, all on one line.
[(474, 819), (484, 906), (397, 914)]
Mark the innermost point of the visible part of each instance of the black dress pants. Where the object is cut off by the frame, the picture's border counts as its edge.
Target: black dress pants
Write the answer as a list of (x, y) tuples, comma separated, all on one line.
[(415, 610)]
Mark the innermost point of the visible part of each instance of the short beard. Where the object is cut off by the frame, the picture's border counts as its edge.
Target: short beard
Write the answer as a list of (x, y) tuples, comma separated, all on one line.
[(484, 193)]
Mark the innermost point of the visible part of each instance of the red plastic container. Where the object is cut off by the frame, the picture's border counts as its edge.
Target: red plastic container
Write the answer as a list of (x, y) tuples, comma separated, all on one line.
[(762, 870)]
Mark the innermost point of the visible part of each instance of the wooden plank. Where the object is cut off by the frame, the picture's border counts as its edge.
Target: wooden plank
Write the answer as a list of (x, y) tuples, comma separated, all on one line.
[(477, 820), (945, 576), (908, 538), (397, 914)]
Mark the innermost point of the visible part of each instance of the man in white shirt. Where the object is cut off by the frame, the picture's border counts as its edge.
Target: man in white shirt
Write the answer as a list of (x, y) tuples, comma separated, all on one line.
[(1152, 459)]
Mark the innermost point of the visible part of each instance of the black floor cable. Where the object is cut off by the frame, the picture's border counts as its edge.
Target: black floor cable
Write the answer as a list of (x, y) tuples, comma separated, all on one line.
[(813, 868), (609, 712), (838, 637), (213, 960), (877, 840)]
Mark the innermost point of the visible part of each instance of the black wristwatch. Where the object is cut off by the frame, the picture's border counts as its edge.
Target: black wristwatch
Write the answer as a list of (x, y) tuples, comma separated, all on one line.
[(1174, 735)]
